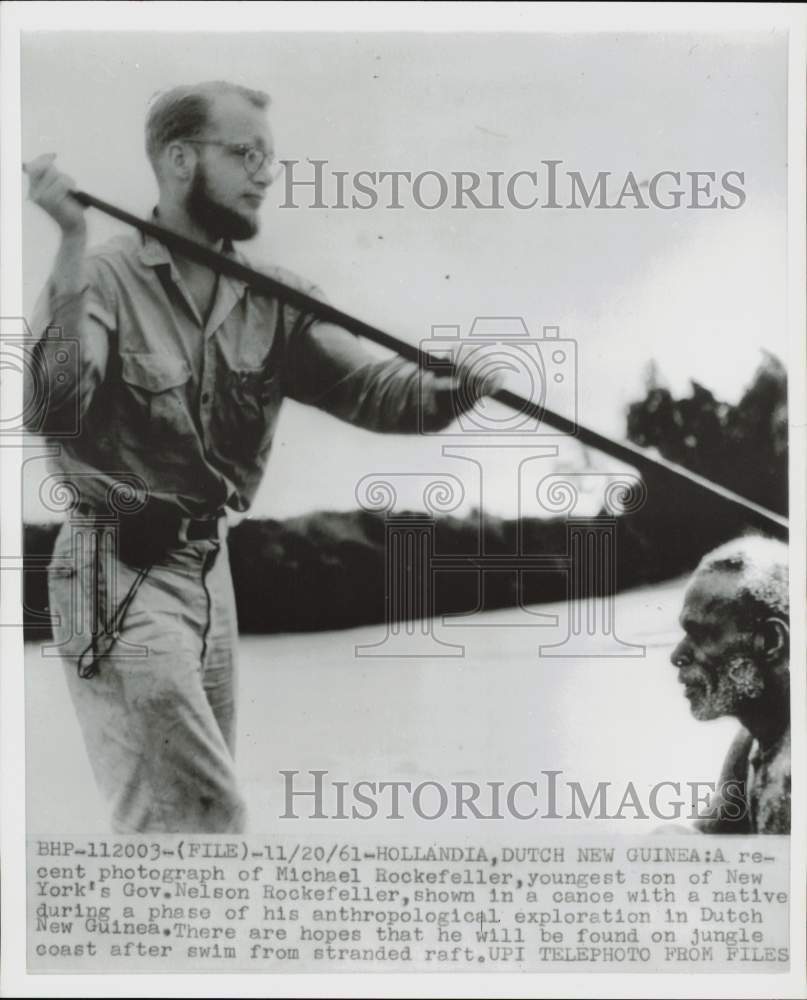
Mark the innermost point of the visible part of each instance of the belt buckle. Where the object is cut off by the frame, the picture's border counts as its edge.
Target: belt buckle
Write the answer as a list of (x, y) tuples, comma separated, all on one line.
[(209, 529)]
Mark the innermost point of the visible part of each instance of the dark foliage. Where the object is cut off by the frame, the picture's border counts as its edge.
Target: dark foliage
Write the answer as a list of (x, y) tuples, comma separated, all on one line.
[(743, 447)]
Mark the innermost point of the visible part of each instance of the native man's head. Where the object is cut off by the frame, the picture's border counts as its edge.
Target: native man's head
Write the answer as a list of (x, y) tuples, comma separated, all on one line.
[(735, 619)]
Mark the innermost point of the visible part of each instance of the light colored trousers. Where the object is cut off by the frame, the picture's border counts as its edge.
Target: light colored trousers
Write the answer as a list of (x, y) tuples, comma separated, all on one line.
[(158, 716)]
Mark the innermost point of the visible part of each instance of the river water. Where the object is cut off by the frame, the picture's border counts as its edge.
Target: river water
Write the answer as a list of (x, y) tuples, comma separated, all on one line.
[(499, 712)]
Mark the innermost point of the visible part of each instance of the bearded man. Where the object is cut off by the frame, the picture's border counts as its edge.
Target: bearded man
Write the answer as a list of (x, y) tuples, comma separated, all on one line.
[(734, 660), (177, 375)]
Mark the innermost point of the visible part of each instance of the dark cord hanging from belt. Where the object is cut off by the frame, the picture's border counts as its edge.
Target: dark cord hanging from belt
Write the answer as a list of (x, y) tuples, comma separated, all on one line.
[(111, 627), (142, 541)]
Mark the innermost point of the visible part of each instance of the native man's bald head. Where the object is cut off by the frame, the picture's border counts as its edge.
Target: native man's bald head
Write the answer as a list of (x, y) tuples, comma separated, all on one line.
[(756, 576), (735, 619)]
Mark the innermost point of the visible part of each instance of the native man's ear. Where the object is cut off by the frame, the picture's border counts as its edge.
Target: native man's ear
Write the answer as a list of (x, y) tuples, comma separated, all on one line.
[(772, 639)]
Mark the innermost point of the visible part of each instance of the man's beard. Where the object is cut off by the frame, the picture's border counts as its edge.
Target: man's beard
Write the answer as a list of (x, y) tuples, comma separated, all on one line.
[(727, 686), (218, 221)]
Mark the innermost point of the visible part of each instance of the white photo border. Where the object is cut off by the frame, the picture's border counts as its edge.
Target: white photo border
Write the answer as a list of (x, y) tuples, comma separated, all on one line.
[(481, 17)]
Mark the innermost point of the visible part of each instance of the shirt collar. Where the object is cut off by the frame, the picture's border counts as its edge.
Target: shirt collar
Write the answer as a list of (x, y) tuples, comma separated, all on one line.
[(153, 253)]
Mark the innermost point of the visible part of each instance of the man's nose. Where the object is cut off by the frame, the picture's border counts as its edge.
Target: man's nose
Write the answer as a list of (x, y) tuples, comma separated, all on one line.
[(680, 656), (263, 175)]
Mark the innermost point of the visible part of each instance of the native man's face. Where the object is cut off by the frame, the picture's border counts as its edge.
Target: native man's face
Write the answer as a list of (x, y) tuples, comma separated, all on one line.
[(715, 659), (223, 198)]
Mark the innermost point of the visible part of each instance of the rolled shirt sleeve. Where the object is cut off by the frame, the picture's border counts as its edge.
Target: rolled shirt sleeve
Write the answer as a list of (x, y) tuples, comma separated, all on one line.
[(332, 369)]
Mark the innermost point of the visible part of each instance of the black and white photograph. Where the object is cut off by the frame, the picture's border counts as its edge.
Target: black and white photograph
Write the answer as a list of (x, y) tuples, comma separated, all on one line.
[(402, 443)]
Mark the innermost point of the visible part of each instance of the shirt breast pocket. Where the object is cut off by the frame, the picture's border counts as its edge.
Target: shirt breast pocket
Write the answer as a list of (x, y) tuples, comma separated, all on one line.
[(157, 390), (249, 402)]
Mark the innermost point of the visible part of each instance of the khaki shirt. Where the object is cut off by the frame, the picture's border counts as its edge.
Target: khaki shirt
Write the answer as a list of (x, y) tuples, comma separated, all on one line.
[(152, 399)]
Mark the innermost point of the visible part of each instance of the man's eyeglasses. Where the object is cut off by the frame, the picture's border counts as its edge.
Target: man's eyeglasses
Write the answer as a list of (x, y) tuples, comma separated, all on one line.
[(253, 157)]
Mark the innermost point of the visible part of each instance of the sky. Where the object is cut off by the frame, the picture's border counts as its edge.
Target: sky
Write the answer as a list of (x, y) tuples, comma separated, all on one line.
[(700, 292)]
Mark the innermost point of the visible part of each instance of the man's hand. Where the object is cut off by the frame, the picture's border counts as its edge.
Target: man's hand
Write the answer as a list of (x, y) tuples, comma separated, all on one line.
[(458, 393), (50, 189), (475, 381)]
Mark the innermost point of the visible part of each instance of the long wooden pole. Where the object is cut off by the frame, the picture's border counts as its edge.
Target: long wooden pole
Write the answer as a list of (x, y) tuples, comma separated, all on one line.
[(665, 474)]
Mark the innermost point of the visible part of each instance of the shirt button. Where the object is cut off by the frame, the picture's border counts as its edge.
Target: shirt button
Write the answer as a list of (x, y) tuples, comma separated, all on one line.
[(205, 397)]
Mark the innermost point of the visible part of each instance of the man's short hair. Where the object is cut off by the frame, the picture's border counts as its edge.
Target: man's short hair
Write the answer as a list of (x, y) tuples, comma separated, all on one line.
[(759, 567), (185, 112)]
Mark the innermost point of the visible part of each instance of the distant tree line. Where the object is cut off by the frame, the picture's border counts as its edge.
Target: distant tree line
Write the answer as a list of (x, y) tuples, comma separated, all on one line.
[(327, 570), (743, 447)]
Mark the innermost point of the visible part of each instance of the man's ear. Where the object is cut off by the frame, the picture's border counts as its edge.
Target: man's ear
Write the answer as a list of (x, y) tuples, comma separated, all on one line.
[(179, 160), (772, 639)]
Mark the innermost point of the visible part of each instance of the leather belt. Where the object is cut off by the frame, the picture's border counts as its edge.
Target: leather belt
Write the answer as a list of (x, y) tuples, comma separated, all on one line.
[(162, 519)]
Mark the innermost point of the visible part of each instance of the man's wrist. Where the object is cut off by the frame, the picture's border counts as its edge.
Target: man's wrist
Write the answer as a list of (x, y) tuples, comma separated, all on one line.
[(75, 234), (67, 276)]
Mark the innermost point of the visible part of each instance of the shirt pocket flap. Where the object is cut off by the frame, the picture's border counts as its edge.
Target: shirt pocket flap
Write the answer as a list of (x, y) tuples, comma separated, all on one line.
[(154, 372)]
